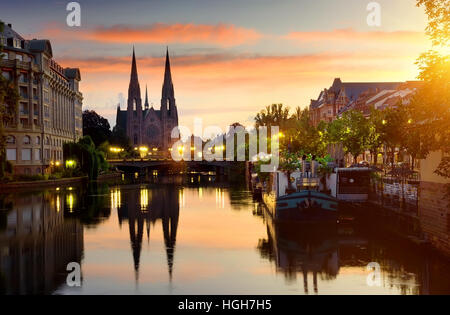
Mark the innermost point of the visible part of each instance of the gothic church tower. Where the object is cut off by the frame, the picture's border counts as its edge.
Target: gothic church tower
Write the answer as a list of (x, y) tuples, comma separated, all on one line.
[(134, 109)]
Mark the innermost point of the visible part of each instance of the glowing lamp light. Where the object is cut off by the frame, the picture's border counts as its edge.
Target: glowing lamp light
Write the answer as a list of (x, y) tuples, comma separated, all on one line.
[(57, 163), (143, 149), (70, 163), (116, 150)]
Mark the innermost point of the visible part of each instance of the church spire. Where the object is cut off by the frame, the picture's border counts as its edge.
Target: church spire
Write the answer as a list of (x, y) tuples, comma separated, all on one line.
[(167, 90), (146, 97), (134, 90)]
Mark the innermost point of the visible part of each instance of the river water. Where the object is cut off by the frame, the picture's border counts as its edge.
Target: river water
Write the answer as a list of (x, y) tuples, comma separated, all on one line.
[(196, 236)]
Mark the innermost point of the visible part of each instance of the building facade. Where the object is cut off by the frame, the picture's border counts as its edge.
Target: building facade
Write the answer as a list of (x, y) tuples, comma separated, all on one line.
[(334, 99), (49, 112), (146, 126)]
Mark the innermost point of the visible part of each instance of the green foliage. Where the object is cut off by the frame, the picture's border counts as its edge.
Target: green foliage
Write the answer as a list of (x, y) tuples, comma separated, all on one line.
[(96, 127), (352, 130), (289, 162), (89, 159), (444, 168), (431, 104), (438, 12), (273, 115), (304, 136)]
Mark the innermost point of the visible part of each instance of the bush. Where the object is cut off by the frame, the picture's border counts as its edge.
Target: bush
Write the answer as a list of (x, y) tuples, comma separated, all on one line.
[(28, 178)]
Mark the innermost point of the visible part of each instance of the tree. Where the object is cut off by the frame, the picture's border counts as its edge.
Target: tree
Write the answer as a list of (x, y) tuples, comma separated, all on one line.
[(90, 160), (9, 98), (352, 129), (375, 138), (393, 129), (273, 115), (438, 12), (304, 136), (96, 127), (119, 138), (430, 107)]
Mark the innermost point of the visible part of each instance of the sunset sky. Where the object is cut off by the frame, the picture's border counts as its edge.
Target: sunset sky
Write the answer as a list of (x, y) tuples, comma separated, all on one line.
[(230, 58)]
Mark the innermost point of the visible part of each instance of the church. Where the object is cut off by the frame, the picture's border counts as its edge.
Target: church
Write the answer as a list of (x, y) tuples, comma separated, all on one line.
[(146, 126)]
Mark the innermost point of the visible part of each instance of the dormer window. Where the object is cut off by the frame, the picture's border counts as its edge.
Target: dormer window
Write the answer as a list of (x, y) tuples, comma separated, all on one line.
[(17, 43)]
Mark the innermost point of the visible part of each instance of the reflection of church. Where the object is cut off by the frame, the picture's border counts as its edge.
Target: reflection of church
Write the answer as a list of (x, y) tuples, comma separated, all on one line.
[(142, 208)]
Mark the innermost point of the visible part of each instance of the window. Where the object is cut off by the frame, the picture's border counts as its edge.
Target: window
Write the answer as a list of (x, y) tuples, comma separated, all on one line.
[(26, 140), (17, 43), (37, 154), (23, 78), (23, 108), (7, 75), (26, 154), (5, 56), (10, 140), (47, 141), (46, 111), (11, 154), (46, 99), (19, 57), (38, 140)]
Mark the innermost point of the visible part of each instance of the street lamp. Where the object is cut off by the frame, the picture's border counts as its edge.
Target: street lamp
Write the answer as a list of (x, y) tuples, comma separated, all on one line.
[(143, 151)]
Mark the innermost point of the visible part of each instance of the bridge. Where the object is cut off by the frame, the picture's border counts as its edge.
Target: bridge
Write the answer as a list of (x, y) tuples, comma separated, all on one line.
[(144, 165)]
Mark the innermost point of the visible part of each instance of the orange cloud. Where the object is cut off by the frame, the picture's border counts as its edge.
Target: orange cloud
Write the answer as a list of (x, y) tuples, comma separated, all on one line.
[(352, 35), (159, 33)]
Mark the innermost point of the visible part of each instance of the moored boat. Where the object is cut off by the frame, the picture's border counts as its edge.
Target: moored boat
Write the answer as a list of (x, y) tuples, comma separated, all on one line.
[(302, 203)]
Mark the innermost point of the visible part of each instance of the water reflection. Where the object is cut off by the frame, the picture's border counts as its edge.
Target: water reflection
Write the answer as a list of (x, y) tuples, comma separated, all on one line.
[(142, 206), (346, 248), (36, 242), (129, 233)]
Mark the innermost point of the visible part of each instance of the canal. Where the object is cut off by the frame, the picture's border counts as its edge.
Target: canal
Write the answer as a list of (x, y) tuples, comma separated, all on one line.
[(198, 235)]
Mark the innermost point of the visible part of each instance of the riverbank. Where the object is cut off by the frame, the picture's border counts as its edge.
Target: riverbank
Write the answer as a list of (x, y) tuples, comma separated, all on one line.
[(31, 185)]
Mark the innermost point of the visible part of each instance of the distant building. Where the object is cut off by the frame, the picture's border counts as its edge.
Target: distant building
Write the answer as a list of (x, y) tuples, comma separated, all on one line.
[(149, 127), (382, 99), (330, 101), (50, 106)]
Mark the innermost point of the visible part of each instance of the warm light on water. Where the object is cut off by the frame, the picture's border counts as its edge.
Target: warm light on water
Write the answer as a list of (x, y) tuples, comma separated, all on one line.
[(199, 240)]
